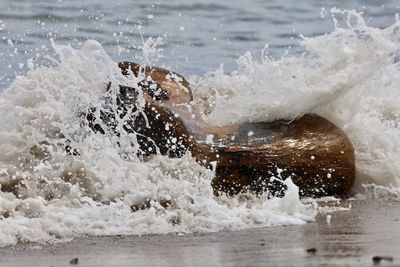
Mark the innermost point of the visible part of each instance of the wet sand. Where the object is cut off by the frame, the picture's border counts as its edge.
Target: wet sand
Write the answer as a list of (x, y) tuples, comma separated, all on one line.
[(352, 238)]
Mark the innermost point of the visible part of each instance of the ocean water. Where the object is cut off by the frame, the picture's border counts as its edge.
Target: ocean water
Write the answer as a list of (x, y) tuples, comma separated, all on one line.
[(246, 61), (198, 35)]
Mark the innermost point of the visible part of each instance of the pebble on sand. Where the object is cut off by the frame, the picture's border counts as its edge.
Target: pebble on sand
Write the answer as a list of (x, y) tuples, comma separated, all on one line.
[(74, 261), (378, 259)]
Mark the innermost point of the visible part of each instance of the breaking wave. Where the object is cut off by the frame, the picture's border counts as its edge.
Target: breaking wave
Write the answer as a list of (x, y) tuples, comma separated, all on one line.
[(349, 76)]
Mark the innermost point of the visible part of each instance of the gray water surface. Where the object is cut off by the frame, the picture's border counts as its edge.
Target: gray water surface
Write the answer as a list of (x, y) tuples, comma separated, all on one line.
[(197, 35)]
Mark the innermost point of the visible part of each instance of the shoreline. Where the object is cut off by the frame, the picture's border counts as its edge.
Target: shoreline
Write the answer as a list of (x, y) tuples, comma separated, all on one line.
[(371, 228)]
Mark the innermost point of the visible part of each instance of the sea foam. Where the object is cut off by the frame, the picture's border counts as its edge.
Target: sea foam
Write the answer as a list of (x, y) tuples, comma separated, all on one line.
[(349, 76), (49, 195)]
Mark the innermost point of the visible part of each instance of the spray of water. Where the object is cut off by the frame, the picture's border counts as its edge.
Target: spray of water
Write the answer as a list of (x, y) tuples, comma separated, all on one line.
[(349, 76), (100, 187)]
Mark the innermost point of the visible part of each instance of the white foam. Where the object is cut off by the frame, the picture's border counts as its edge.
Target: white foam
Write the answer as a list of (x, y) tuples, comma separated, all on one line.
[(350, 76), (100, 192)]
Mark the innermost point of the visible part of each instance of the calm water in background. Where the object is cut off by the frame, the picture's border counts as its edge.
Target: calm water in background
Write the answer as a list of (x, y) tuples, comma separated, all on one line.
[(197, 35)]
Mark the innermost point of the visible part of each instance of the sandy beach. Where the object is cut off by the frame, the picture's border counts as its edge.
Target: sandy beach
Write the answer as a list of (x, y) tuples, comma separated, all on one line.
[(351, 238)]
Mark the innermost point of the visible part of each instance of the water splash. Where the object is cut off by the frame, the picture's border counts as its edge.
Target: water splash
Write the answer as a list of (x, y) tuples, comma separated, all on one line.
[(49, 195), (349, 76)]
